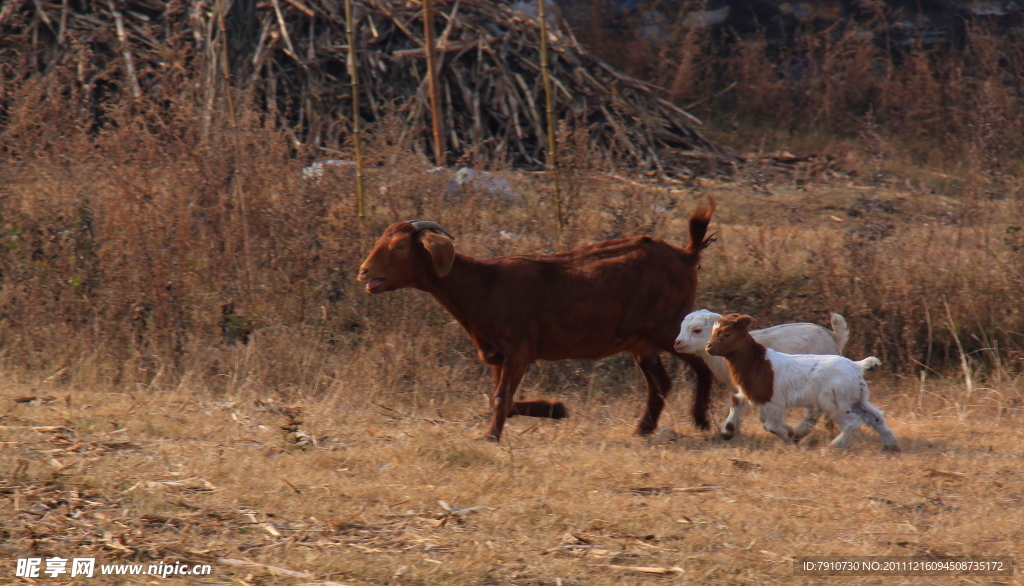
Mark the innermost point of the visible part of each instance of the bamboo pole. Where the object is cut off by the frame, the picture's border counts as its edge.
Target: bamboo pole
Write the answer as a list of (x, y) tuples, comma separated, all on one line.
[(126, 50), (225, 63), (284, 31), (552, 158), (435, 97), (353, 72), (236, 179)]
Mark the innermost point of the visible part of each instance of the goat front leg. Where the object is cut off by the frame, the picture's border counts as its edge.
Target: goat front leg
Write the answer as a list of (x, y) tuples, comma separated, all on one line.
[(732, 422), (806, 424), (539, 408), (773, 418), (534, 408), (506, 381)]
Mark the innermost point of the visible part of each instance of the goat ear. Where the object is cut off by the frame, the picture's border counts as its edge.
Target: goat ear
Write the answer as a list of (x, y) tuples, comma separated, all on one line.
[(441, 250), (745, 321)]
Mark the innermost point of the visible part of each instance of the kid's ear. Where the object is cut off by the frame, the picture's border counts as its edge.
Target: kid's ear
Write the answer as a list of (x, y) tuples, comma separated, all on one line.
[(745, 321)]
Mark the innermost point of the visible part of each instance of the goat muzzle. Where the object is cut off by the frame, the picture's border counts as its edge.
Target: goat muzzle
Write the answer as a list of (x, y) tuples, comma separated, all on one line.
[(372, 283)]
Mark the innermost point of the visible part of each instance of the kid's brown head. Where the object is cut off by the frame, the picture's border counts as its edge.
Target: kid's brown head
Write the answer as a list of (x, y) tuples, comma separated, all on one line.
[(406, 255), (729, 334)]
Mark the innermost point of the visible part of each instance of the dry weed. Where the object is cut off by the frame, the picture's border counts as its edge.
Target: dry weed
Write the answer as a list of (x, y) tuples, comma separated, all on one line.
[(367, 492)]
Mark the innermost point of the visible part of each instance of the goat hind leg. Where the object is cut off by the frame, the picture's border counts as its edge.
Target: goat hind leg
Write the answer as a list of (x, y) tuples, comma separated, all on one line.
[(875, 418), (658, 386), (702, 394), (848, 422)]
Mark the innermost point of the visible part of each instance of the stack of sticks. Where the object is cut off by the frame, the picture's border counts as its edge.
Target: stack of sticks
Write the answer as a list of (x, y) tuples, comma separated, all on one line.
[(292, 55)]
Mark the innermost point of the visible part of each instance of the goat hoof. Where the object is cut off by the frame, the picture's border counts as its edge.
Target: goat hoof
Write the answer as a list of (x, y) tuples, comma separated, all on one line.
[(725, 435), (892, 449)]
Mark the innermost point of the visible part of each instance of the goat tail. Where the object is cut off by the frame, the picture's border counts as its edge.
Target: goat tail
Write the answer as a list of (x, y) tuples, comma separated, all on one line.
[(840, 331), (868, 363), (699, 240)]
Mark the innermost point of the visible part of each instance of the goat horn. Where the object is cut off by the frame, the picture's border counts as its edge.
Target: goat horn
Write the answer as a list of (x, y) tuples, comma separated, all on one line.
[(420, 225)]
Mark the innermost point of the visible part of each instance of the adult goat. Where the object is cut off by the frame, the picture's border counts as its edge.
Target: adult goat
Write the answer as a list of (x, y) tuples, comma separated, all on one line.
[(625, 295)]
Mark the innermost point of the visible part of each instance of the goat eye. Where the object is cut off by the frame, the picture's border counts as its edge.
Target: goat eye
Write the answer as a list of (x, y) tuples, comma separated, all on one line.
[(402, 247), (697, 331)]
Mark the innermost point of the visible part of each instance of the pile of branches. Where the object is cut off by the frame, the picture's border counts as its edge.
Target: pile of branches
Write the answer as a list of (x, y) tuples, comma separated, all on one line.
[(289, 57)]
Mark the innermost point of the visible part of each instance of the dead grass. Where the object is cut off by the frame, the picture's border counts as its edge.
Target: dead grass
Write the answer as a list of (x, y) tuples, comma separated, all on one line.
[(354, 496), (115, 269), (126, 230), (126, 225), (195, 455), (938, 104)]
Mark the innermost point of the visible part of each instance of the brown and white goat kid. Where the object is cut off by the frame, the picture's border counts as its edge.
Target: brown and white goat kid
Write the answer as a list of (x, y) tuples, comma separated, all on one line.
[(776, 382), (798, 338)]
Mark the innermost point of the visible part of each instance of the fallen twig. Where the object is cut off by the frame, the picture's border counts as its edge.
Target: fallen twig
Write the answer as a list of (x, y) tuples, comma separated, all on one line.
[(269, 568)]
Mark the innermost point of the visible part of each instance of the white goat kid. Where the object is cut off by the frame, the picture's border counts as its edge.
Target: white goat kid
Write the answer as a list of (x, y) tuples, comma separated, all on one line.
[(795, 338), (776, 382)]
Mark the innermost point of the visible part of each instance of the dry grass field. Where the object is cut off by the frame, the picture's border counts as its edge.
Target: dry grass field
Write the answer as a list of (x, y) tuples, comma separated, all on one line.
[(140, 237), (352, 490), (360, 463)]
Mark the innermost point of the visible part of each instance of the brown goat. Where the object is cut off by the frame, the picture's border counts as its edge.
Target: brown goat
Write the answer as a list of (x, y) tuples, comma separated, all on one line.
[(591, 302)]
